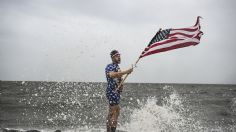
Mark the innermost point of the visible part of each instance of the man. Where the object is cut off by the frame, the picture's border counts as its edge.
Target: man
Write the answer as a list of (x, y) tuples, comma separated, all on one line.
[(114, 78)]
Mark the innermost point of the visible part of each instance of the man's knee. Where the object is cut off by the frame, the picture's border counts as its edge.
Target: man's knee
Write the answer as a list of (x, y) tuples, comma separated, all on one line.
[(115, 109)]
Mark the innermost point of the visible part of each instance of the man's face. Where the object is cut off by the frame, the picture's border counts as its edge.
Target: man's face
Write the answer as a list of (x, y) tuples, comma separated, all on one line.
[(116, 59)]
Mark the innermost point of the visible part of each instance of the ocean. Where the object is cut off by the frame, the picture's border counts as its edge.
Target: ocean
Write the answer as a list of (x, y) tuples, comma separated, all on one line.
[(145, 107)]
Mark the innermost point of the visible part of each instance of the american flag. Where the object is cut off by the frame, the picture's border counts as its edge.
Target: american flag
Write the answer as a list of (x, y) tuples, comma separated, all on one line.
[(170, 39)]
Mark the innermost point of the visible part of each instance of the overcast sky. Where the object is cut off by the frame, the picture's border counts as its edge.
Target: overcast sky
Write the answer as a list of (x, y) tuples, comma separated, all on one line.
[(62, 40)]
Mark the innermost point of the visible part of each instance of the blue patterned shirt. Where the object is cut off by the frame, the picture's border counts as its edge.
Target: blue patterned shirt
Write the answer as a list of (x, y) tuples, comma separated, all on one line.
[(112, 82)]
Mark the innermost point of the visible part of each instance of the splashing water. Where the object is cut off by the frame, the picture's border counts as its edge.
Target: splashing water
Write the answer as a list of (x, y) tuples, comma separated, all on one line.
[(151, 117), (64, 104)]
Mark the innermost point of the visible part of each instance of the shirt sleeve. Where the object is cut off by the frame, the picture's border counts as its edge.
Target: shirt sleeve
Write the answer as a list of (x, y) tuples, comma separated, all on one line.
[(109, 68)]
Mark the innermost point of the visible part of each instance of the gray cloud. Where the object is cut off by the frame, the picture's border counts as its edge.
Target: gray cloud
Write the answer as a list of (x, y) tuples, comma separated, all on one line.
[(71, 40)]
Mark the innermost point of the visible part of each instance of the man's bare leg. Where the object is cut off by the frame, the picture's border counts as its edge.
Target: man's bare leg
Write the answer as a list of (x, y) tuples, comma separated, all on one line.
[(109, 119), (114, 117)]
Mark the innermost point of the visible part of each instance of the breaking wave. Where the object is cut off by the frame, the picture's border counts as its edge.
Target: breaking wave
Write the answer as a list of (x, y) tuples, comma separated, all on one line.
[(169, 116)]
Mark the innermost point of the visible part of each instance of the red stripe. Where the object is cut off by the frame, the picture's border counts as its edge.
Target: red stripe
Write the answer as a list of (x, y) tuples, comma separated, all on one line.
[(186, 35), (162, 42), (186, 29), (173, 39), (181, 45)]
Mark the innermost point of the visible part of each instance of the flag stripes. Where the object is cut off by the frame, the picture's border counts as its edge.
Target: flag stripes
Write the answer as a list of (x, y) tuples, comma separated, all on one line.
[(170, 39)]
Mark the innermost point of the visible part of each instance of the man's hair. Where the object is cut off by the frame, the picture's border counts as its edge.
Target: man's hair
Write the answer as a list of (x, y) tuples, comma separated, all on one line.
[(114, 52)]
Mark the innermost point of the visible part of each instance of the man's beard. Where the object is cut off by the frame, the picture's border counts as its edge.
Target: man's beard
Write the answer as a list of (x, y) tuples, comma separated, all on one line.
[(118, 61)]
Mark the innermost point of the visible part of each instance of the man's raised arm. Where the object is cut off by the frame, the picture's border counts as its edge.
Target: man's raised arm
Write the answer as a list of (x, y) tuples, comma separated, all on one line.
[(119, 74)]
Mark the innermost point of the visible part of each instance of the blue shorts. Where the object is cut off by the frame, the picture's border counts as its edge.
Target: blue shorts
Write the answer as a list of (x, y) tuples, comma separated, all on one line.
[(113, 97)]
